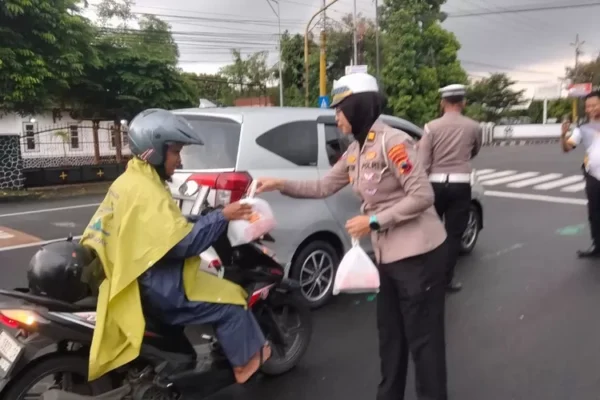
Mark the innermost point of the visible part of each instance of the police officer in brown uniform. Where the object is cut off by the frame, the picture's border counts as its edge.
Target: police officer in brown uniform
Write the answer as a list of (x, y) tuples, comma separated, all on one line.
[(408, 238), (445, 152)]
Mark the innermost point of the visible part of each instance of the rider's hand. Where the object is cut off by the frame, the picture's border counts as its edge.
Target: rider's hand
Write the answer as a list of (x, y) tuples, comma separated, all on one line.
[(237, 210), (268, 185)]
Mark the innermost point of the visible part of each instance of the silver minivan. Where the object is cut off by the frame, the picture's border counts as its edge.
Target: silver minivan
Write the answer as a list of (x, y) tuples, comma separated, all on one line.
[(291, 143)]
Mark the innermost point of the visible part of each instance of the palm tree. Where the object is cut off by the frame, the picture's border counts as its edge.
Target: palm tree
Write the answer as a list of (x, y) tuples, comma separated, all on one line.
[(64, 138)]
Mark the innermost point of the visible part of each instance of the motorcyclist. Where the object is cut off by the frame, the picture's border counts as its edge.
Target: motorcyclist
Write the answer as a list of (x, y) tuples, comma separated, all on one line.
[(156, 138)]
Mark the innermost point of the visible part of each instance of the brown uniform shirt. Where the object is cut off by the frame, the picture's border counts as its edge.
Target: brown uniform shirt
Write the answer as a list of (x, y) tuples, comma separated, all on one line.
[(449, 144), (399, 194)]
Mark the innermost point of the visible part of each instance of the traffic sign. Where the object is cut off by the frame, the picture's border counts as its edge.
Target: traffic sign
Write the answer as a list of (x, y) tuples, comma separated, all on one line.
[(353, 69), (323, 101)]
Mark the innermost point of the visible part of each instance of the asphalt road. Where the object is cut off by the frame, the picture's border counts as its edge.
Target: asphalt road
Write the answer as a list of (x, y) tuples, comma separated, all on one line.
[(523, 327)]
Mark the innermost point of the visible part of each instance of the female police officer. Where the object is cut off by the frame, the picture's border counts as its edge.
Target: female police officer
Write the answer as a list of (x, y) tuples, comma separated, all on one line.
[(407, 236)]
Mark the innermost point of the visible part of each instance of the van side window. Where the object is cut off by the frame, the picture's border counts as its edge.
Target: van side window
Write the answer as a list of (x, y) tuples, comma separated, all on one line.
[(336, 143), (295, 141)]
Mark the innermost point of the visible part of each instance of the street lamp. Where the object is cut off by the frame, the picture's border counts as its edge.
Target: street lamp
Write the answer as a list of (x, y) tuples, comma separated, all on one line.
[(278, 14)]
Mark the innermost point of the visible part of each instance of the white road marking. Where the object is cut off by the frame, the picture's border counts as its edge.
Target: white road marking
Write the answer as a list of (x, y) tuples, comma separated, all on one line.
[(536, 197), (483, 171), (578, 187), (512, 178), (47, 210), (36, 244), (561, 182), (6, 235), (65, 224), (494, 175), (533, 181), (499, 253)]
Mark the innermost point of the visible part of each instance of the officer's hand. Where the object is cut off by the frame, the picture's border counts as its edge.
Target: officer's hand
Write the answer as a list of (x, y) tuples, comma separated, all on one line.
[(268, 185), (358, 227), (236, 211), (565, 128)]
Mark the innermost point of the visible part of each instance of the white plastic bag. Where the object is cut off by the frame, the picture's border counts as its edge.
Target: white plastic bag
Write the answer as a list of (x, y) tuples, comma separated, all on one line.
[(356, 272), (262, 221)]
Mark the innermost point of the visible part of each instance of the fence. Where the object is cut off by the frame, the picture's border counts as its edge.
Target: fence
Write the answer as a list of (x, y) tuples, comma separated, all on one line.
[(519, 134), (70, 153)]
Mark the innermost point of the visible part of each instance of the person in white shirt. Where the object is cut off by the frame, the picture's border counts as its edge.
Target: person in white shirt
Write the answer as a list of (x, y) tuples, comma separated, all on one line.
[(589, 135)]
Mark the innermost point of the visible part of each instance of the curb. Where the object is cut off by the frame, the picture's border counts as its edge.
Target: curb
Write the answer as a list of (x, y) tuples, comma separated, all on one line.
[(522, 142), (19, 198), (55, 192)]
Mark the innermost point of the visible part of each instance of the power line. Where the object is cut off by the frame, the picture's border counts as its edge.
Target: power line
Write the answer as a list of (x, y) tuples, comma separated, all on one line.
[(523, 10)]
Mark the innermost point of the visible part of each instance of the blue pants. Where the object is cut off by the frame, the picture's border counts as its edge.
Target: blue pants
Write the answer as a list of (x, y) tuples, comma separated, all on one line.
[(237, 330)]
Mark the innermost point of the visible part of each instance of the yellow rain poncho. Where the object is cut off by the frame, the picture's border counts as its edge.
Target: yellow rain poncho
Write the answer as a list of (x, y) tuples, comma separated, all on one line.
[(135, 226)]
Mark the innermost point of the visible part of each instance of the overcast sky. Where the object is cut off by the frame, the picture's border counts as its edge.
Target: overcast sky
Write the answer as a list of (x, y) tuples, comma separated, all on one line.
[(533, 47)]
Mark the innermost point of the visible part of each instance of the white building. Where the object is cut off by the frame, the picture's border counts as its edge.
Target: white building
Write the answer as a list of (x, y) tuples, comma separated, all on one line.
[(50, 140)]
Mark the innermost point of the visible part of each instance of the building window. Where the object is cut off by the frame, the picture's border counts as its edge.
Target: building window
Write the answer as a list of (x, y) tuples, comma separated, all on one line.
[(74, 136), (125, 137), (30, 137), (113, 137)]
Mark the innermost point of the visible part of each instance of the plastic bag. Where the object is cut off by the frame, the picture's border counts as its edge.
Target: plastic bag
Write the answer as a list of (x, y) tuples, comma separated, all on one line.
[(262, 221), (356, 272)]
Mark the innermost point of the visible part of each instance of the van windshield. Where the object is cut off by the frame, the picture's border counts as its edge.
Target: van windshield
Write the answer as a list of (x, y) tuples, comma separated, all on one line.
[(221, 138)]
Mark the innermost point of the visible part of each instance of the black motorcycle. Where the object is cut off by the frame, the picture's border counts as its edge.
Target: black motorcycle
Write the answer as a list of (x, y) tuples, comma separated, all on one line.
[(41, 337)]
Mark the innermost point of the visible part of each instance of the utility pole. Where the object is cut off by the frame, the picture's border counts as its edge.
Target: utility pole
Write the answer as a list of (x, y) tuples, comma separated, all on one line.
[(323, 56), (306, 65), (377, 41), (354, 25), (277, 13), (578, 52)]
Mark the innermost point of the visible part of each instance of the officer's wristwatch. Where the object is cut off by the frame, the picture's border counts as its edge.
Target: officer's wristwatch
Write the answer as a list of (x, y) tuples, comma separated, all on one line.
[(373, 223)]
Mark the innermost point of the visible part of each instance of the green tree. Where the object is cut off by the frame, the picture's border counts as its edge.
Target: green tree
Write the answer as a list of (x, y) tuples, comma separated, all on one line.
[(215, 88), (249, 76), (493, 97), (420, 57), (556, 109), (138, 69), (586, 72), (44, 45)]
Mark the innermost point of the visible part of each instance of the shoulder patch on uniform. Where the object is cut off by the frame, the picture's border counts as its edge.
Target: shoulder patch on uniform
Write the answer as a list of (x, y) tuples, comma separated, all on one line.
[(371, 136), (399, 157)]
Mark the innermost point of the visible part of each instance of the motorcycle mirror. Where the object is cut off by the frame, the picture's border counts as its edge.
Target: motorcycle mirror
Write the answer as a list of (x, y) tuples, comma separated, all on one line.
[(189, 188)]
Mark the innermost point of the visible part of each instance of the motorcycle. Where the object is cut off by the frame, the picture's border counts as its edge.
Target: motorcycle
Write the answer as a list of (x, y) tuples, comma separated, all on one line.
[(45, 337)]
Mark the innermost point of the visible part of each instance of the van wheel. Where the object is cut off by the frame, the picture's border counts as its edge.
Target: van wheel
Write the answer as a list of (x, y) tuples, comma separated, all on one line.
[(314, 268), (471, 234)]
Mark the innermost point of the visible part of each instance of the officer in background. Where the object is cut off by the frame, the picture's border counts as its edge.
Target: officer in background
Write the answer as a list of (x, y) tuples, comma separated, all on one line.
[(445, 151), (588, 134)]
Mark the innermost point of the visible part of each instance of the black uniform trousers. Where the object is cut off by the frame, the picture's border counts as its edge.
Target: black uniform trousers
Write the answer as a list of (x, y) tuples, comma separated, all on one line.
[(452, 203), (410, 319), (592, 191)]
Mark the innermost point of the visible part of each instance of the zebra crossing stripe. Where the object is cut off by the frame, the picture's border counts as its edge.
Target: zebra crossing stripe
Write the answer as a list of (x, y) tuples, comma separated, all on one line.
[(483, 171), (574, 188), (561, 182), (534, 181), (494, 175), (511, 178)]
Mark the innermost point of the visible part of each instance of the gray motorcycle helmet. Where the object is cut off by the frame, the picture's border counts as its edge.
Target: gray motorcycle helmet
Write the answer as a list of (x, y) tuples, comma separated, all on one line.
[(152, 130)]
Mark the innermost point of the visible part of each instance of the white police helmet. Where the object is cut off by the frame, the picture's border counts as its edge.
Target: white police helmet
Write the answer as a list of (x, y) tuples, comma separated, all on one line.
[(352, 84)]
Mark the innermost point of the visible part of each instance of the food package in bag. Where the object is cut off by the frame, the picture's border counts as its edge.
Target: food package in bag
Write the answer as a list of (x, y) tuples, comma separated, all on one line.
[(261, 222), (356, 272)]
